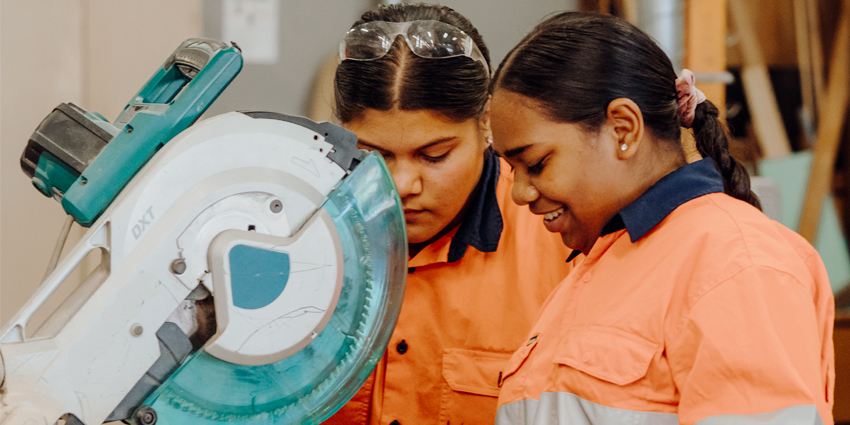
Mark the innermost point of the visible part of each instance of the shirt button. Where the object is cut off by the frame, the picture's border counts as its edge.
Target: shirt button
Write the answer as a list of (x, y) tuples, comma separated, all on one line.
[(585, 357), (586, 277), (395, 423), (411, 269), (401, 347)]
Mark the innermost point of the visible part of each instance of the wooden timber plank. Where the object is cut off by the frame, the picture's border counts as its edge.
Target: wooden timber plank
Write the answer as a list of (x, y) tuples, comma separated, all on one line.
[(804, 63), (705, 45), (767, 122), (830, 124)]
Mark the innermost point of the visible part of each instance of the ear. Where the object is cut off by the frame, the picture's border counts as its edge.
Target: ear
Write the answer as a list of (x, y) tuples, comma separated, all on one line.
[(626, 122), (484, 121)]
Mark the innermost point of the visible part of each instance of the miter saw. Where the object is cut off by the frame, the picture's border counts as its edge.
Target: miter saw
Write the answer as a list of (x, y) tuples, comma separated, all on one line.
[(252, 265)]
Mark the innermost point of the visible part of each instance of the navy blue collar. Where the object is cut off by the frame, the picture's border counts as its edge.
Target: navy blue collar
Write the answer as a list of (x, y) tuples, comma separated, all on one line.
[(482, 225), (653, 206)]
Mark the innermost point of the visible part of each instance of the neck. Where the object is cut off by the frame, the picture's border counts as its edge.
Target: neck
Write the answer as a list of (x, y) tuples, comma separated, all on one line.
[(645, 169)]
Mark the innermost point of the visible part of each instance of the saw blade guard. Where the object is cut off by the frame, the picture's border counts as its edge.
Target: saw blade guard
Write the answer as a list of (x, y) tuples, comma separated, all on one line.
[(312, 384)]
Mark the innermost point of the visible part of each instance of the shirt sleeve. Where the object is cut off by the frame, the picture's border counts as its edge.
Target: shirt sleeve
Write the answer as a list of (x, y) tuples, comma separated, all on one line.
[(752, 350)]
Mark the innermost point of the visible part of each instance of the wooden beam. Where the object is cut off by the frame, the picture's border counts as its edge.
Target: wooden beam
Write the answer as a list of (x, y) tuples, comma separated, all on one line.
[(804, 63), (830, 124), (628, 10), (767, 122), (816, 47), (705, 45)]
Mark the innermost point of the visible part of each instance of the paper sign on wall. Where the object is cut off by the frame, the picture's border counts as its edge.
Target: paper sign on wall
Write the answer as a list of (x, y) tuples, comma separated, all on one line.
[(253, 25)]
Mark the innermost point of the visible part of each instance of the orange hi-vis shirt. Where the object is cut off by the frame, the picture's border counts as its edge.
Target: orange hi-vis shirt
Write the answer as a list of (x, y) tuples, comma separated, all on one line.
[(470, 300), (691, 308)]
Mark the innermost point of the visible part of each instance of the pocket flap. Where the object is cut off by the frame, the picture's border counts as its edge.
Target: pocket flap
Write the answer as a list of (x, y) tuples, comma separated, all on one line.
[(518, 358), (606, 353), (472, 371)]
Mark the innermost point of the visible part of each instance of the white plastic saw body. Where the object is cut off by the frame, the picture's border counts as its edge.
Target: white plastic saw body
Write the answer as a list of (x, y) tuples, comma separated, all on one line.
[(251, 272)]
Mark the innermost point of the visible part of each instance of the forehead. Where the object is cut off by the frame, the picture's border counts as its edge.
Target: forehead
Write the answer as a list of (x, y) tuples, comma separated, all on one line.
[(520, 122), (400, 130), (516, 120)]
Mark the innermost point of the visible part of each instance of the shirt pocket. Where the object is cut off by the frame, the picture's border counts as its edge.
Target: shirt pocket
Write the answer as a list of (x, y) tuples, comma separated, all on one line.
[(470, 386), (518, 358), (607, 354)]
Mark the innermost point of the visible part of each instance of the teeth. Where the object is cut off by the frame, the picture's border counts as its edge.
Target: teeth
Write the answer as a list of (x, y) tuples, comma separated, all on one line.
[(553, 215)]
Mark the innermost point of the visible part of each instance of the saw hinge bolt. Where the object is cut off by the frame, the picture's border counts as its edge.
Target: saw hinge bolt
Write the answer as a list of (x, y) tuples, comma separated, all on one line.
[(136, 329), (145, 415), (178, 266), (276, 206)]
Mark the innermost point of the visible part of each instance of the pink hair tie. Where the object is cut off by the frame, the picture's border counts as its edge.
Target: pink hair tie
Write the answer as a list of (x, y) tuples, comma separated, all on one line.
[(689, 96)]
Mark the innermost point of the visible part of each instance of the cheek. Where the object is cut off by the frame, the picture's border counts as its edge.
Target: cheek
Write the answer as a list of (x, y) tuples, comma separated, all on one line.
[(569, 186), (451, 182)]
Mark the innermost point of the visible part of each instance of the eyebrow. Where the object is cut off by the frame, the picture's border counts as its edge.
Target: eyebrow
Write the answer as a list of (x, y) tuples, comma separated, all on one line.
[(426, 146), (369, 145), (516, 151)]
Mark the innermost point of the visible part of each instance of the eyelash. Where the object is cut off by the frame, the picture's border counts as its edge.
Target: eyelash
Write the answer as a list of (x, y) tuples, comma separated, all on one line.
[(435, 159), (537, 168)]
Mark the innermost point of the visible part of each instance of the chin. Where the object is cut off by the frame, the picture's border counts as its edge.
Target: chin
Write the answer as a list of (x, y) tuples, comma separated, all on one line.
[(415, 236), (571, 242)]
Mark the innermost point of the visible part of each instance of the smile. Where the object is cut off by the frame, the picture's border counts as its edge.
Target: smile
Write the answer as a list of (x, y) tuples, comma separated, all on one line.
[(553, 215)]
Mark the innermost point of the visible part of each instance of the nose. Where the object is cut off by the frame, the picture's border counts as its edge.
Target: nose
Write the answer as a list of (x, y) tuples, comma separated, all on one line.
[(408, 180), (523, 191)]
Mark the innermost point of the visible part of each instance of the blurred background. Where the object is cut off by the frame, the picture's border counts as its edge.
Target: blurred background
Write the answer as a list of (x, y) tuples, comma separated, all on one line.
[(779, 69)]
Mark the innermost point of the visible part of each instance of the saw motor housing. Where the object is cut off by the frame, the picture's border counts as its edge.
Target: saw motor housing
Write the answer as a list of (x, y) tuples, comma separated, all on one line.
[(84, 161)]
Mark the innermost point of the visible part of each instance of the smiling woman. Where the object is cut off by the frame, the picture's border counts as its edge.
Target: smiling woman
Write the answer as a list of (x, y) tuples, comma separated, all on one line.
[(480, 266), (691, 306)]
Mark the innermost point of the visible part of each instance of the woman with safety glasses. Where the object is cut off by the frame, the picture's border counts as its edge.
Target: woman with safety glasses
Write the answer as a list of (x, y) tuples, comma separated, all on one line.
[(413, 84), (691, 306)]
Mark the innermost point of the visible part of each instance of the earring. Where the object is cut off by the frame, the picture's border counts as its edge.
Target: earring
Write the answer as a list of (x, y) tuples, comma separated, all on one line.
[(490, 140), (623, 147)]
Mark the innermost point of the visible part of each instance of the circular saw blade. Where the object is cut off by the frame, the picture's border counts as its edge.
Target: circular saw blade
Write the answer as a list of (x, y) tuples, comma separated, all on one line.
[(311, 385)]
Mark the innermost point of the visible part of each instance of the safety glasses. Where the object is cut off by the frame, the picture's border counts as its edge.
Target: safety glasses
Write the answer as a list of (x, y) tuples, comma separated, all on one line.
[(426, 38)]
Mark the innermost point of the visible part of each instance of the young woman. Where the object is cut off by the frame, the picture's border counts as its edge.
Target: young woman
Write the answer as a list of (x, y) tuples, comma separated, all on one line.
[(413, 84), (690, 306)]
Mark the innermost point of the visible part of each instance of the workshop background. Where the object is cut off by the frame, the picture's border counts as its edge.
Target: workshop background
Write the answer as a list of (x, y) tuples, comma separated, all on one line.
[(780, 68)]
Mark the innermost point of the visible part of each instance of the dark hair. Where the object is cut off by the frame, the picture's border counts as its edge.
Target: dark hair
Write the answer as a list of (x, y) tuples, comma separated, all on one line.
[(574, 64), (456, 87)]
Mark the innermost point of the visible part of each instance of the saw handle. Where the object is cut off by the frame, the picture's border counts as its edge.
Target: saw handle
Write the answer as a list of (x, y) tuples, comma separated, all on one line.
[(16, 329)]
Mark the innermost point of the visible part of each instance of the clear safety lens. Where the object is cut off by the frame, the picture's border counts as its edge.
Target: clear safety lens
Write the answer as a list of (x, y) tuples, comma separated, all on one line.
[(368, 41), (435, 41), (425, 38)]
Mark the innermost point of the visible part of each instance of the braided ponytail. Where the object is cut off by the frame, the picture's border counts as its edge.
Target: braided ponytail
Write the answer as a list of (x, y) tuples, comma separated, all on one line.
[(712, 140)]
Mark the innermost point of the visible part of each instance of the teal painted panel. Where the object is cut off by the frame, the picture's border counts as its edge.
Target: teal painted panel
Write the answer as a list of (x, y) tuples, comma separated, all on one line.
[(257, 276), (791, 173)]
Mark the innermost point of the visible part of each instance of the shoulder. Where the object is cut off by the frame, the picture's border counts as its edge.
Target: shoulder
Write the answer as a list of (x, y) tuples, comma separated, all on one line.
[(717, 226), (723, 240)]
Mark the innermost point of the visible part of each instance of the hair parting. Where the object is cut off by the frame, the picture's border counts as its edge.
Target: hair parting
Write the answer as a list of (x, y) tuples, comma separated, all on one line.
[(456, 87)]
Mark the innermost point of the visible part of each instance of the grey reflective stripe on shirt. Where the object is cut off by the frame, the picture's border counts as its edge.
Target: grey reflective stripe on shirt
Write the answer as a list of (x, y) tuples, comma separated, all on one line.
[(566, 408), (793, 415), (569, 409)]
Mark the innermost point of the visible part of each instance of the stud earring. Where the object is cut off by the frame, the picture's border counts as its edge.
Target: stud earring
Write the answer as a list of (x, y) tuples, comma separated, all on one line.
[(623, 147), (490, 140)]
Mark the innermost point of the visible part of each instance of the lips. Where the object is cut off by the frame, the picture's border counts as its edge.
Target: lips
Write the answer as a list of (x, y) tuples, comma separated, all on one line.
[(410, 213), (554, 221), (553, 215)]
